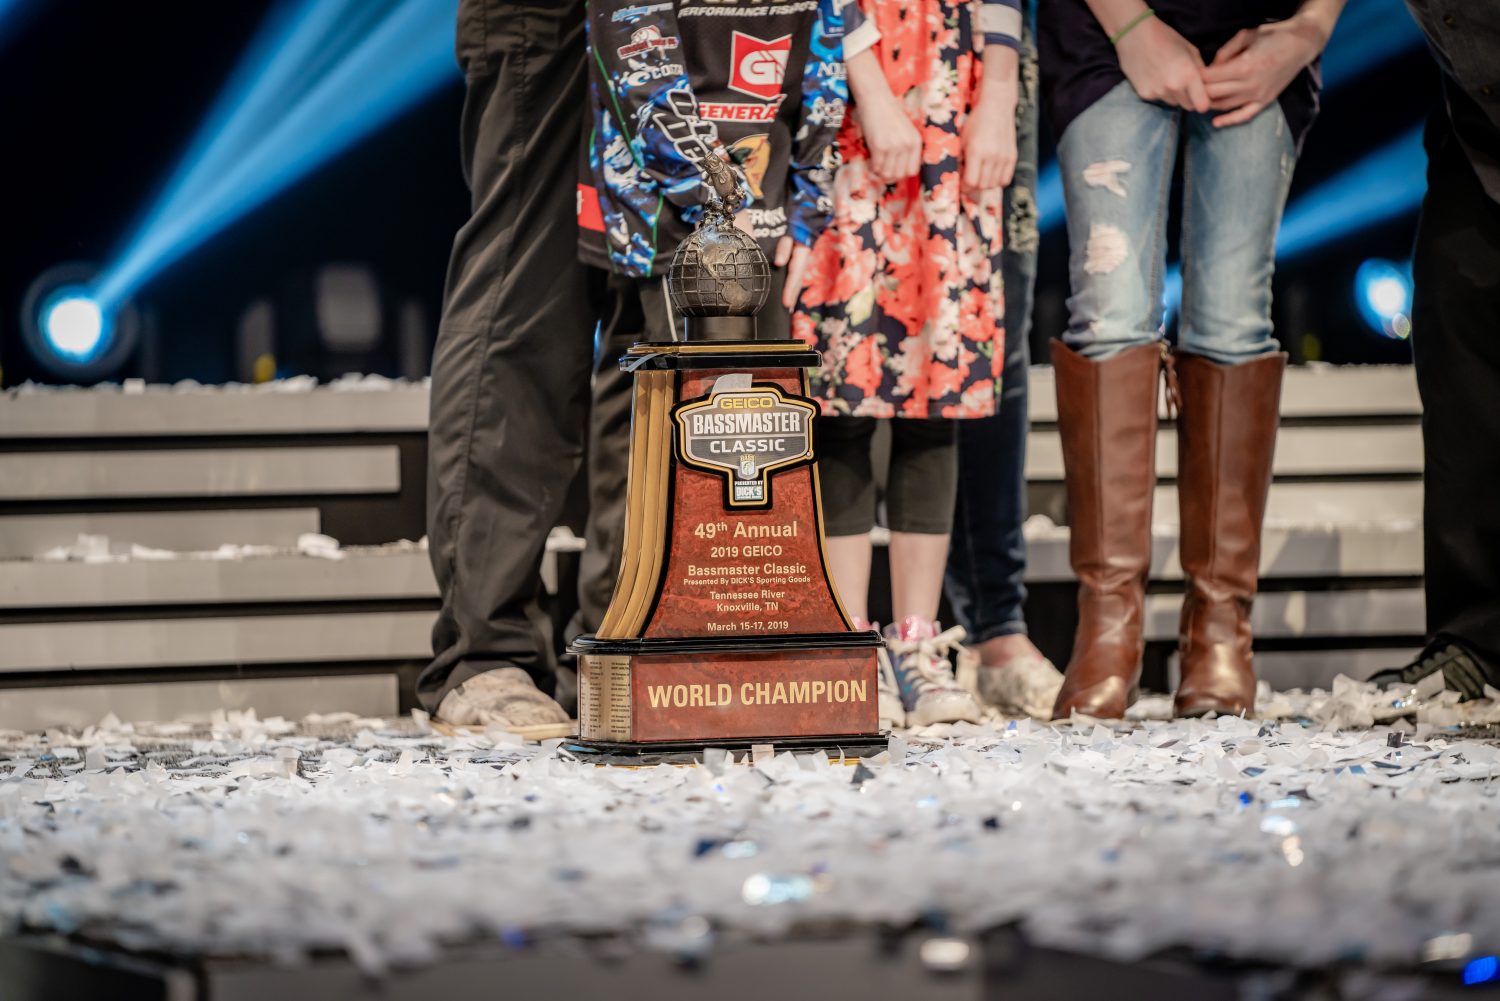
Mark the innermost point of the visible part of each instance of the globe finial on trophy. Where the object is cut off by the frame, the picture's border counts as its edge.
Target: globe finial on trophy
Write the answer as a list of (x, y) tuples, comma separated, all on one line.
[(719, 277)]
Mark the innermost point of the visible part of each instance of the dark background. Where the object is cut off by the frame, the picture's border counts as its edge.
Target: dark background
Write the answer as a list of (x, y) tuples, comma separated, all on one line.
[(101, 97)]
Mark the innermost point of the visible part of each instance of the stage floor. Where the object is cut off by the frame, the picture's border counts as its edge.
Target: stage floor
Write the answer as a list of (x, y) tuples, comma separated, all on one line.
[(1318, 840)]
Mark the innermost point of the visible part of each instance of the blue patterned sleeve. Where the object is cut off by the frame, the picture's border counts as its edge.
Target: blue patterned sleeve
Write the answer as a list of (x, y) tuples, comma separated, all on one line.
[(1000, 22), (825, 94), (638, 50)]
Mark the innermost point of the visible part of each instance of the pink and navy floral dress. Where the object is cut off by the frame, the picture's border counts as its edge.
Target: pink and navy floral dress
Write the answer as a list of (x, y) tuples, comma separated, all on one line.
[(904, 295)]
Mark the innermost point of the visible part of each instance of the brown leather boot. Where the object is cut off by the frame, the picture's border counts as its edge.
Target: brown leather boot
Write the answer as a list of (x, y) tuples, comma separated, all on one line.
[(1226, 435), (1106, 413)]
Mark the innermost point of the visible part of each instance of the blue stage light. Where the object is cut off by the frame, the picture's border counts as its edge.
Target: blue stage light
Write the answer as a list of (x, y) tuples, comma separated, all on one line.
[(73, 325), (1382, 291), (1484, 970), (69, 331), (320, 76)]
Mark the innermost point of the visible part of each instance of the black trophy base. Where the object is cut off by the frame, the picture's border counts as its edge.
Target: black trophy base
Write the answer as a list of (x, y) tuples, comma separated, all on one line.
[(718, 328), (687, 752)]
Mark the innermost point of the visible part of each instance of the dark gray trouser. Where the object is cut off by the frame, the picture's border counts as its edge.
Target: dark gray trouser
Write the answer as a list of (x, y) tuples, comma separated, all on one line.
[(510, 379), (1456, 343)]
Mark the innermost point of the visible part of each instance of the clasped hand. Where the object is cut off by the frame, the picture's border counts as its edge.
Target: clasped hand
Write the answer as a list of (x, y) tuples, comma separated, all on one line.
[(1247, 73)]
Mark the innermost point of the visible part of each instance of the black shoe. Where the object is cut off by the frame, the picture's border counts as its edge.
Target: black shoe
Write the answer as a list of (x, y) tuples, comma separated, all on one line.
[(1461, 672)]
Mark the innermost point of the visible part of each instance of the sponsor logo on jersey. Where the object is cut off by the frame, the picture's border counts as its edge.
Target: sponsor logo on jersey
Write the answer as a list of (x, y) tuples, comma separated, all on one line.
[(758, 65), (753, 154), (647, 40), (684, 126), (590, 215), (721, 111), (662, 71), (747, 8), (640, 11)]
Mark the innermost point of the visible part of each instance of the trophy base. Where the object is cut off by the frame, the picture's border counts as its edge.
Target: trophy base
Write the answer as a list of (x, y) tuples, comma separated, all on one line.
[(701, 692), (685, 752)]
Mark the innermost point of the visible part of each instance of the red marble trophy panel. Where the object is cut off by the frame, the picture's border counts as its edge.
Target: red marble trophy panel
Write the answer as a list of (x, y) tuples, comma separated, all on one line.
[(746, 573), (746, 694)]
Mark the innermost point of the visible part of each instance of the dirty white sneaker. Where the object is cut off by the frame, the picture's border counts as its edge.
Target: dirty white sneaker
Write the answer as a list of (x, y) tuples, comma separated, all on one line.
[(1021, 686), (506, 696), (924, 677), (892, 713)]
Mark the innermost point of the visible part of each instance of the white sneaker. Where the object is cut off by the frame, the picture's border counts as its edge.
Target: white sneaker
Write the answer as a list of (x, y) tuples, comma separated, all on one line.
[(506, 696), (1021, 686), (924, 677), (892, 713)]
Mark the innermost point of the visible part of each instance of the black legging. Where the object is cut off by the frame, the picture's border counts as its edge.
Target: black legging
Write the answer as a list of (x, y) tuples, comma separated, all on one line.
[(923, 479)]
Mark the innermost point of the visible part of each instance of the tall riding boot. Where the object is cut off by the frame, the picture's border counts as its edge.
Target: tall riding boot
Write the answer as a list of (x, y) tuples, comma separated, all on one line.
[(1226, 435), (1106, 412)]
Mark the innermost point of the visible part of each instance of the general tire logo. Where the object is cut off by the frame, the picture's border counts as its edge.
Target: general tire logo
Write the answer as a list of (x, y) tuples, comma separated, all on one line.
[(745, 432), (758, 66)]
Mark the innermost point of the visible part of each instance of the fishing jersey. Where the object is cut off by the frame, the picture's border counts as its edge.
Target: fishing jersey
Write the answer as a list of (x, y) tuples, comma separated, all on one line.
[(670, 82)]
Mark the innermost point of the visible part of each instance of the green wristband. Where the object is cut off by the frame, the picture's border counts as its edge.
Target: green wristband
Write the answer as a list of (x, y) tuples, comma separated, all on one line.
[(1115, 38)]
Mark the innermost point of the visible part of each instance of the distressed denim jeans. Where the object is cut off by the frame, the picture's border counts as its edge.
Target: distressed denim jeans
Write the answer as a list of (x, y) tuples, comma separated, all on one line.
[(1117, 160)]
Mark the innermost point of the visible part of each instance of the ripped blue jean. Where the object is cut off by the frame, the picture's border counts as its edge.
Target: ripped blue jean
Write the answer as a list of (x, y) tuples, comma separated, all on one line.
[(1117, 160)]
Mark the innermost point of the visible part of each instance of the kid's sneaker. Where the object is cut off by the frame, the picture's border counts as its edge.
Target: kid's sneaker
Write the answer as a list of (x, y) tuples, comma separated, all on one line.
[(892, 712), (924, 676)]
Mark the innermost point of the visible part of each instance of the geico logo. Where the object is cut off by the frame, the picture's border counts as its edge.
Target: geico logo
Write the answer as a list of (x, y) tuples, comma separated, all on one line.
[(746, 403)]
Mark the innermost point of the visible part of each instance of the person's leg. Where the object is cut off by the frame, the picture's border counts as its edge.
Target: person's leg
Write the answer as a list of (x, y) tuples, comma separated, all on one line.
[(510, 370), (847, 483), (1456, 344), (919, 505), (1116, 161), (1235, 183), (987, 557)]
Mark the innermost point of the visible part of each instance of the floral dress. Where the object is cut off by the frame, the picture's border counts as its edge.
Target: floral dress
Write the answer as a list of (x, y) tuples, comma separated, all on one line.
[(904, 296)]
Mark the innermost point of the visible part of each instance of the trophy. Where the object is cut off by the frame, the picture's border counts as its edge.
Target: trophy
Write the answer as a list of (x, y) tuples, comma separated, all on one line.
[(724, 629)]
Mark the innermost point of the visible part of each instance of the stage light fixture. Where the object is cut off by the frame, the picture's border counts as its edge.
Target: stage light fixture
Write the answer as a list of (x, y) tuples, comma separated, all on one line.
[(1484, 970), (1382, 290), (320, 76), (73, 324), (69, 331)]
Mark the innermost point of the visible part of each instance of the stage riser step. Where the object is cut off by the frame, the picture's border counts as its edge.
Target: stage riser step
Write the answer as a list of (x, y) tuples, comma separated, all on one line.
[(197, 581), (365, 575), (1314, 393), (1372, 450), (318, 637), (1309, 393), (235, 472), (80, 706), (78, 414), (368, 637), (26, 536)]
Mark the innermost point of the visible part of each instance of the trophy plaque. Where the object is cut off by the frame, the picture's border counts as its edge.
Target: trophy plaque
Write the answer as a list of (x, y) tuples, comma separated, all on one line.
[(724, 629)]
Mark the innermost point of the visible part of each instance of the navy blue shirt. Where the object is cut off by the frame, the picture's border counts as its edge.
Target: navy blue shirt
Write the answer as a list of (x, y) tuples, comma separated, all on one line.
[(1079, 66)]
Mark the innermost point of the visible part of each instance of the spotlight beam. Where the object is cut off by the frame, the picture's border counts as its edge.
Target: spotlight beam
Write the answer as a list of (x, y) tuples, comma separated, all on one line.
[(311, 106), (1384, 185)]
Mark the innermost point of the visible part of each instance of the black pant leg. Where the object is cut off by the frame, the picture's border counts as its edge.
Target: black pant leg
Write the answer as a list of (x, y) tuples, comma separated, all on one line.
[(1456, 343), (510, 376)]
